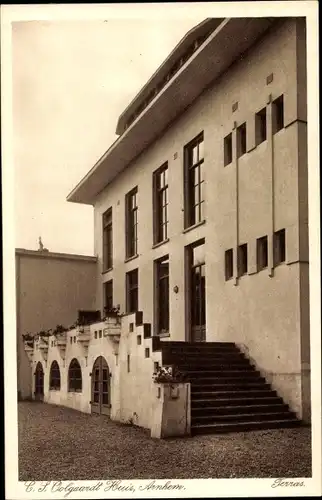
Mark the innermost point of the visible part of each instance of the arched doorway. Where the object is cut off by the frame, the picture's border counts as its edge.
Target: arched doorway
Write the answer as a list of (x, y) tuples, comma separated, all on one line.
[(101, 394), (39, 382)]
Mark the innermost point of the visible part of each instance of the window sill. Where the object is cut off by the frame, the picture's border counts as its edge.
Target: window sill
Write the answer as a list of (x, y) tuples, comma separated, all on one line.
[(160, 243), (163, 335), (262, 269), (107, 270), (190, 228), (75, 391), (54, 389), (128, 259)]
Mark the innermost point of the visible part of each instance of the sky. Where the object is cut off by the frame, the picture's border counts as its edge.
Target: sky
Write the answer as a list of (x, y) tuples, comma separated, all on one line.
[(71, 81)]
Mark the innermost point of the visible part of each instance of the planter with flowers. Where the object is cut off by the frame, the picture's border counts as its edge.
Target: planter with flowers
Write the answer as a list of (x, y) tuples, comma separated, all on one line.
[(171, 404), (113, 321), (29, 345), (60, 334)]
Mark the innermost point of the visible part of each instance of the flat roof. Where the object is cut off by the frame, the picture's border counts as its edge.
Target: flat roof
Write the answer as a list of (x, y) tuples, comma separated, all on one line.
[(43, 254)]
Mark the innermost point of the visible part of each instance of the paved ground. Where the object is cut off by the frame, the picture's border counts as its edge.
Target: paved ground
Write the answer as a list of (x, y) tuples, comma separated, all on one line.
[(57, 443)]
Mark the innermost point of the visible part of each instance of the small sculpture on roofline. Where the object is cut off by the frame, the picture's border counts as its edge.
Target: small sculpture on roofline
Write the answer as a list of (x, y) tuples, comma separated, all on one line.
[(41, 246)]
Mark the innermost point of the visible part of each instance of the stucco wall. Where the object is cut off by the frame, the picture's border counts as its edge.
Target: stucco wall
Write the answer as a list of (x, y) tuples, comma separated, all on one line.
[(51, 288), (132, 391), (260, 310)]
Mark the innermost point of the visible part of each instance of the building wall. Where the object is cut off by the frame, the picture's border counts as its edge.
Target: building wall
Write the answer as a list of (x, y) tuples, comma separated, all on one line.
[(131, 385), (51, 288), (261, 193)]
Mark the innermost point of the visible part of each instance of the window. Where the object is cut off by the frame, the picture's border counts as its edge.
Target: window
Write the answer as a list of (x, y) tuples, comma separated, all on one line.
[(128, 363), (278, 114), (74, 376), (162, 295), (229, 265), (131, 218), (279, 247), (54, 377), (107, 240), (194, 181), (132, 289), (228, 149), (160, 211), (242, 263), (241, 140), (262, 253), (197, 292), (260, 126), (108, 295)]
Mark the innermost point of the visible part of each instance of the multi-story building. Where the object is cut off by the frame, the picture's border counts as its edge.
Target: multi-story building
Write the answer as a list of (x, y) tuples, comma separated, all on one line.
[(201, 204)]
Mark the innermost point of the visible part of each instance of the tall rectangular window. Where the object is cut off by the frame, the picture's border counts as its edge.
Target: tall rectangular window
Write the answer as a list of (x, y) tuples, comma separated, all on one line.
[(262, 253), (107, 240), (242, 260), (131, 218), (108, 295), (241, 140), (194, 181), (229, 264), (228, 149), (279, 247), (260, 126), (162, 295), (160, 199), (278, 114), (132, 291)]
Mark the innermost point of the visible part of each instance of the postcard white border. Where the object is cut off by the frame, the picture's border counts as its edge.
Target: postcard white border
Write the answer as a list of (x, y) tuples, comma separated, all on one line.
[(194, 488)]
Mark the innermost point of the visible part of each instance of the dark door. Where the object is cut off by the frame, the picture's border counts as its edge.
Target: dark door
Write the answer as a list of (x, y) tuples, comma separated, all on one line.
[(197, 293), (100, 402), (39, 382)]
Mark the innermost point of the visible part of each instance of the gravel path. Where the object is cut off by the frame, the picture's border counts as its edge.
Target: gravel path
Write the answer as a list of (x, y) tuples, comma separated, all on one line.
[(57, 443)]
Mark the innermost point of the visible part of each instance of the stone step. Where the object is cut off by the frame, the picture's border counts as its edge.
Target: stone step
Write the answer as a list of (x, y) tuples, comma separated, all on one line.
[(236, 410), (243, 426), (238, 401), (242, 417), (221, 365), (234, 377), (215, 372), (229, 386), (195, 395)]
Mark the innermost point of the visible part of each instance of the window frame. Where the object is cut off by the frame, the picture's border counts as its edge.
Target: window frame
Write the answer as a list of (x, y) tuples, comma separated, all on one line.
[(228, 149), (131, 224), (129, 289), (74, 366), (242, 260), (262, 253), (279, 247), (160, 223), (229, 264), (107, 239), (190, 203), (159, 301), (260, 129), (54, 367), (278, 113), (107, 284), (241, 133)]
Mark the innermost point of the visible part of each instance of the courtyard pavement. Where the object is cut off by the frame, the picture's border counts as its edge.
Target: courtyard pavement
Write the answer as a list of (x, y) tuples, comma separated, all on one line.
[(57, 443)]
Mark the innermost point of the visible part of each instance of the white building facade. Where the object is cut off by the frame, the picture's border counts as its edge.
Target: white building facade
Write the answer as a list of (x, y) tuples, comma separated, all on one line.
[(201, 205)]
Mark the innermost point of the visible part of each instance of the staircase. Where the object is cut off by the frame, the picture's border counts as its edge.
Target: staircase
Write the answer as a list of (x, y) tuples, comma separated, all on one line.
[(227, 393)]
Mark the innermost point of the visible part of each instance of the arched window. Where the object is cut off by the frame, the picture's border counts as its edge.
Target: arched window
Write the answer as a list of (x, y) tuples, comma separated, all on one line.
[(74, 376), (54, 377)]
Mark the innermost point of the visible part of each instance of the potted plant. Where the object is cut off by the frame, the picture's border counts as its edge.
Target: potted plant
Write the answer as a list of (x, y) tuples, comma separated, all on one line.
[(171, 376)]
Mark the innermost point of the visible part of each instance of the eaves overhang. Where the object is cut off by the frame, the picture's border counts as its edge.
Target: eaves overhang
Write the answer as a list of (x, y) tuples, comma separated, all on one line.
[(229, 40)]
